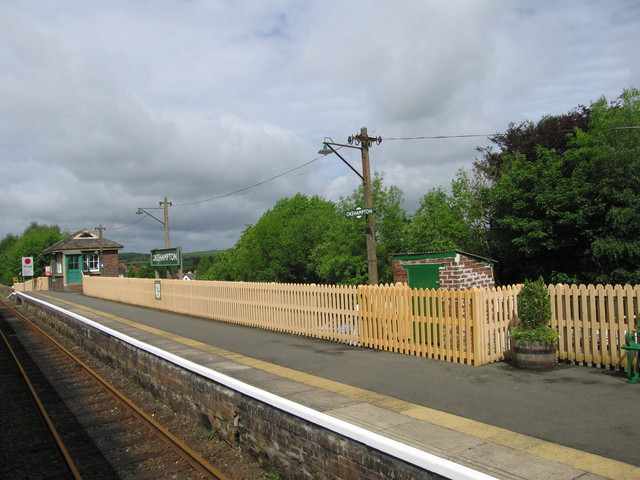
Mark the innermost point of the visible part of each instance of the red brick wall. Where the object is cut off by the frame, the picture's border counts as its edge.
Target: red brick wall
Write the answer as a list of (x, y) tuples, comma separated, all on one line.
[(111, 263), (457, 272)]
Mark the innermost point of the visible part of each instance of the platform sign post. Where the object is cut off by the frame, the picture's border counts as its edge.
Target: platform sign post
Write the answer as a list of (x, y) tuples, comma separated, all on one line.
[(359, 212), (166, 257), (27, 267)]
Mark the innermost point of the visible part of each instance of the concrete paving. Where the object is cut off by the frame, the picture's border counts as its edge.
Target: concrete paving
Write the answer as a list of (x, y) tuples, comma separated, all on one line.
[(569, 423)]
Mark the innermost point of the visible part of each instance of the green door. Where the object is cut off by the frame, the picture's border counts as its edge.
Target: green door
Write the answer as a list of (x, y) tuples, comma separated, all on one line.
[(74, 268), (424, 276)]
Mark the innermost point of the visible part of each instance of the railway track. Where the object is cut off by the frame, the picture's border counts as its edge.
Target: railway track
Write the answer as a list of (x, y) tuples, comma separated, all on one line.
[(62, 420)]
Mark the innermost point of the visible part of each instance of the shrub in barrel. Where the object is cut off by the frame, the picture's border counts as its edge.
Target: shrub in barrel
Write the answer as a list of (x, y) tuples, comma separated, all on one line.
[(534, 340)]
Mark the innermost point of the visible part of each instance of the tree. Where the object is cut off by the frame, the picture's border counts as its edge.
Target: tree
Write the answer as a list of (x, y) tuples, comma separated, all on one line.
[(222, 268), (468, 195), (278, 248), (203, 267), (539, 211), (444, 222), (552, 132), (436, 225), (342, 258), (570, 213), (144, 271), (614, 249), (30, 243), (5, 247), (309, 240)]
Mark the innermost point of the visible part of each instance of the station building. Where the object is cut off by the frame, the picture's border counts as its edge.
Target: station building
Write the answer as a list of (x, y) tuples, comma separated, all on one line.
[(82, 253)]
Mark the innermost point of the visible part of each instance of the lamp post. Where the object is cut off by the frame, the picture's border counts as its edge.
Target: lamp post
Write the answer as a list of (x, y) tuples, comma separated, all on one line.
[(362, 142), (164, 204)]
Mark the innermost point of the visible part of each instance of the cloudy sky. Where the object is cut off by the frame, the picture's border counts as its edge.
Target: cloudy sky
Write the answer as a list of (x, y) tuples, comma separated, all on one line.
[(221, 106)]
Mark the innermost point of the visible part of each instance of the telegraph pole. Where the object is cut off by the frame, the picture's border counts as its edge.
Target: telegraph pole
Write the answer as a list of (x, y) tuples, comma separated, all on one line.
[(370, 226), (362, 142), (99, 229), (165, 203)]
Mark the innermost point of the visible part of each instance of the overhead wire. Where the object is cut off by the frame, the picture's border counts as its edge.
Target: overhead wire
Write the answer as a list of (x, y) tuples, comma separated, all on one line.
[(129, 224), (434, 137), (420, 137), (250, 186)]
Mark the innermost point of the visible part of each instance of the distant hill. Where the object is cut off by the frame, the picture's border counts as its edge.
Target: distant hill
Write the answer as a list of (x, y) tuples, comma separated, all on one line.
[(189, 260)]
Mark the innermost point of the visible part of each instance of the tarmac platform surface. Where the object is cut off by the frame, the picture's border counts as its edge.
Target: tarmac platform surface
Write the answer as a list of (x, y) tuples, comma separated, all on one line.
[(569, 423)]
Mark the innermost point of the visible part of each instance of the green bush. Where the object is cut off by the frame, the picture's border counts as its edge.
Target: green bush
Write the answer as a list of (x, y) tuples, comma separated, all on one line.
[(542, 333), (534, 305), (534, 314)]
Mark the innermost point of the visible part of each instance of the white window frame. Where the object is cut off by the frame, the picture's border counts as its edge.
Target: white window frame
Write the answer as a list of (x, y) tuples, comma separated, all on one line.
[(91, 262), (58, 261)]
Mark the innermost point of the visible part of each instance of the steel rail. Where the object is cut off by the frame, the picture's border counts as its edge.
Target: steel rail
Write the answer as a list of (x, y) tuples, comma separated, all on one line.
[(184, 451), (62, 449)]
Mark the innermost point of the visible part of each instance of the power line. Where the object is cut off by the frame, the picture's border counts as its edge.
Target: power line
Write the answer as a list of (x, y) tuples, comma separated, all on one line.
[(250, 186), (421, 137), (129, 224), (432, 137), (471, 135), (232, 193)]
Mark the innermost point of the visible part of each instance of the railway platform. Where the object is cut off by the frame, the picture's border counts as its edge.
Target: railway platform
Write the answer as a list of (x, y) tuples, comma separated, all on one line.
[(573, 422)]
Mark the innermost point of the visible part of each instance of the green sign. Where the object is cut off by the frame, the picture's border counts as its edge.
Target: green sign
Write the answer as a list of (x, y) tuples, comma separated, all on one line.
[(359, 212), (166, 257)]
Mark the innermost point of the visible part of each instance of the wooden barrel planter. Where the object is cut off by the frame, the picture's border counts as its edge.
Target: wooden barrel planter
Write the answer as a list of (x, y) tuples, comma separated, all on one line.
[(535, 355)]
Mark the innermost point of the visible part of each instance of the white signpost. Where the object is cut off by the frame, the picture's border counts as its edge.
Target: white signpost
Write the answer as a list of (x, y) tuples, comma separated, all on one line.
[(27, 267)]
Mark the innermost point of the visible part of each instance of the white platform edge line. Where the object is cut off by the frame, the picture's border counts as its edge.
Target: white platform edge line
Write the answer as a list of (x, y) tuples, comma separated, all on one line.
[(409, 454)]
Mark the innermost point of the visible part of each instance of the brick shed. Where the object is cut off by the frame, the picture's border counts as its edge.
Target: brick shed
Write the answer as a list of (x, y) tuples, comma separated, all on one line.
[(450, 270)]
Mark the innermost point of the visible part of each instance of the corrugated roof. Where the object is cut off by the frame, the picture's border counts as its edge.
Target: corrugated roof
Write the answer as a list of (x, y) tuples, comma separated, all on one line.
[(444, 252)]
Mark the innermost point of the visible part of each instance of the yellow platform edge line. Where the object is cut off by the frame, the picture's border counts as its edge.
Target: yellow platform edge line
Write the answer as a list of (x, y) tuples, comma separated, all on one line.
[(570, 457)]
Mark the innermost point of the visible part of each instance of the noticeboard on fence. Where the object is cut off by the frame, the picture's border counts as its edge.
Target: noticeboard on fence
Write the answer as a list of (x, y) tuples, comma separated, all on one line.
[(157, 287)]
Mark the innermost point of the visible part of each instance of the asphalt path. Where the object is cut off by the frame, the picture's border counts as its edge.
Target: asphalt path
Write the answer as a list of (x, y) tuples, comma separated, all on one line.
[(586, 408)]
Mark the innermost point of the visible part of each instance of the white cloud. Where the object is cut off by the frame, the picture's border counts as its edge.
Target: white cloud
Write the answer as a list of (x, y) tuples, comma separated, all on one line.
[(115, 105)]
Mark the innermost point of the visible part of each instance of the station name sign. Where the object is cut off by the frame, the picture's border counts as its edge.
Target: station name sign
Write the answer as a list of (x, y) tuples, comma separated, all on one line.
[(166, 257), (359, 212)]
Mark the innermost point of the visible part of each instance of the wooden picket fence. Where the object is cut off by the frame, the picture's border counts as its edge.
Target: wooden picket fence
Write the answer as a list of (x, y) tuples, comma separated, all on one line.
[(449, 325), (592, 321), (462, 326)]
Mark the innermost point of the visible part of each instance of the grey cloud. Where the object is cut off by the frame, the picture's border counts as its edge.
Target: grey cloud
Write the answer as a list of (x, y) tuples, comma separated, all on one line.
[(111, 106)]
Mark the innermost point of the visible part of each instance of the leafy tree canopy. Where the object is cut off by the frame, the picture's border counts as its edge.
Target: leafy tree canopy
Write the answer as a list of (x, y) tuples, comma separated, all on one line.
[(568, 212), (30, 243), (390, 223), (278, 248), (310, 240)]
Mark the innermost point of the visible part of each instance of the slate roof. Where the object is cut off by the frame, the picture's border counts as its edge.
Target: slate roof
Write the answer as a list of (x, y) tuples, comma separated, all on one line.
[(83, 240)]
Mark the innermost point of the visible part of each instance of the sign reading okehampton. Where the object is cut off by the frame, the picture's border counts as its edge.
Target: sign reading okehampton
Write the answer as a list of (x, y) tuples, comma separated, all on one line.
[(167, 257), (359, 212)]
